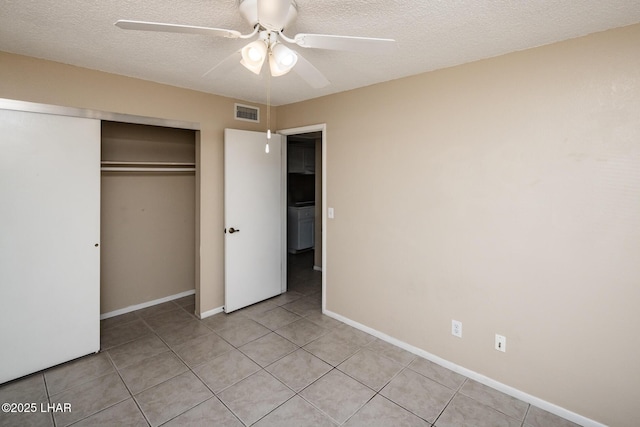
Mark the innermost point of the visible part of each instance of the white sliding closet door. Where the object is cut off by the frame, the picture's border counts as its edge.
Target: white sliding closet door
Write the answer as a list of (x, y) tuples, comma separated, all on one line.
[(50, 230)]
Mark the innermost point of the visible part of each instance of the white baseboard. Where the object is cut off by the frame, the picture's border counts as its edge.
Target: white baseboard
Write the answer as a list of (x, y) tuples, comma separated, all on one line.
[(145, 304), (518, 394), (316, 268), (211, 312)]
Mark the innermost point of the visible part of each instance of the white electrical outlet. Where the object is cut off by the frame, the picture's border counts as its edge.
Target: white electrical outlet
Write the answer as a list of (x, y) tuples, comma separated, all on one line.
[(501, 343), (456, 328), (330, 213)]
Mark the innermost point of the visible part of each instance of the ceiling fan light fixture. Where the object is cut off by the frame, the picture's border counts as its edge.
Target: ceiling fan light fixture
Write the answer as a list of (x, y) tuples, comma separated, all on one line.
[(253, 56), (269, 18), (281, 60)]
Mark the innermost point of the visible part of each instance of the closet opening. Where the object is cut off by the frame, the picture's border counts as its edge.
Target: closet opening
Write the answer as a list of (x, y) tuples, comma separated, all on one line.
[(148, 216)]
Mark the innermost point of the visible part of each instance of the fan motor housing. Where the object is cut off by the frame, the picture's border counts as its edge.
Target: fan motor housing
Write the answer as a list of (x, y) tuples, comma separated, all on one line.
[(249, 11)]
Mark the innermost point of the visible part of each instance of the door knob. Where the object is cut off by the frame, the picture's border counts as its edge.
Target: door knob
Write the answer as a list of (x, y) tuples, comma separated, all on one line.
[(234, 230)]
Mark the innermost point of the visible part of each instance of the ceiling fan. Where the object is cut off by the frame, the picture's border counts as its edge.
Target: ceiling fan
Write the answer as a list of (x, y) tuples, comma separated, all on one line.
[(269, 18)]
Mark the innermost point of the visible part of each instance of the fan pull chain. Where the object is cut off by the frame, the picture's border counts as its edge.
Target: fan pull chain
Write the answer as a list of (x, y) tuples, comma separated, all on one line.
[(266, 147)]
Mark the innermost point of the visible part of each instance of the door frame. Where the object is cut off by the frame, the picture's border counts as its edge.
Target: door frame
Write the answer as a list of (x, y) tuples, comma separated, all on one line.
[(322, 127)]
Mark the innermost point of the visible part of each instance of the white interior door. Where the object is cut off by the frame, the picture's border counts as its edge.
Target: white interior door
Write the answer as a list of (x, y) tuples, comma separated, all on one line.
[(254, 218), (49, 235)]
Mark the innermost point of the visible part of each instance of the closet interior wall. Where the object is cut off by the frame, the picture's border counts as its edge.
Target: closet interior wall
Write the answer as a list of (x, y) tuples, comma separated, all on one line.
[(147, 214)]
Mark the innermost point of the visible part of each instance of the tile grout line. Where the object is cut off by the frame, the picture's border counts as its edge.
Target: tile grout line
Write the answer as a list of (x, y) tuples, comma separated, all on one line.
[(335, 368), (492, 407), (169, 349), (375, 393), (214, 395), (101, 376), (262, 369), (274, 409), (191, 369), (128, 389), (296, 393), (525, 415), (455, 393), (398, 403), (311, 403), (46, 390)]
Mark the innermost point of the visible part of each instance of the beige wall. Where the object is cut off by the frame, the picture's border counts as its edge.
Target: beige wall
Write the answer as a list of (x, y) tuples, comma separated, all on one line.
[(34, 80), (147, 237), (505, 194)]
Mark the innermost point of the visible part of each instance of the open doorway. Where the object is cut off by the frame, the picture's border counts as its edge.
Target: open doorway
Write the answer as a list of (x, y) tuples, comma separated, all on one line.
[(304, 212)]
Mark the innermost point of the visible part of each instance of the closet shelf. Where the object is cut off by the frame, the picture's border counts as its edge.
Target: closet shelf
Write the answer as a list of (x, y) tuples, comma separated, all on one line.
[(126, 169), (114, 163), (115, 166)]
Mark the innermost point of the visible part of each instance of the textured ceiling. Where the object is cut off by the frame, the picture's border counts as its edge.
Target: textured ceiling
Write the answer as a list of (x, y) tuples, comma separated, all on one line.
[(431, 34)]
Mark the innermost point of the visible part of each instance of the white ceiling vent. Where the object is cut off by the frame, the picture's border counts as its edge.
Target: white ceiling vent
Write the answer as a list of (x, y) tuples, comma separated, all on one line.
[(247, 113)]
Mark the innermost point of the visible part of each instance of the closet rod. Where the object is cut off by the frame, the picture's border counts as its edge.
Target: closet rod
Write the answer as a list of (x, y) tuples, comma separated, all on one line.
[(111, 163), (150, 169)]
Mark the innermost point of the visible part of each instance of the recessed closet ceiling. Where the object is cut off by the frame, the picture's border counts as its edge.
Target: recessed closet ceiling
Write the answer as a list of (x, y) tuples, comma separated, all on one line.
[(430, 34)]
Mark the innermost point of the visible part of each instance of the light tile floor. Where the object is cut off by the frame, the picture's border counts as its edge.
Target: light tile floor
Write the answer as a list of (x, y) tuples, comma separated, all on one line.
[(277, 363)]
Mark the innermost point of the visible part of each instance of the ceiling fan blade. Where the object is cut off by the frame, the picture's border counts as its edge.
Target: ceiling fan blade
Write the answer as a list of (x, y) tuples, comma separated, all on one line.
[(175, 28), (348, 43), (272, 14), (226, 65), (309, 73)]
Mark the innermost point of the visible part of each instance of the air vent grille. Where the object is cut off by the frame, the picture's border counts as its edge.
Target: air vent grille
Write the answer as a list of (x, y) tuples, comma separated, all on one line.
[(247, 113)]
